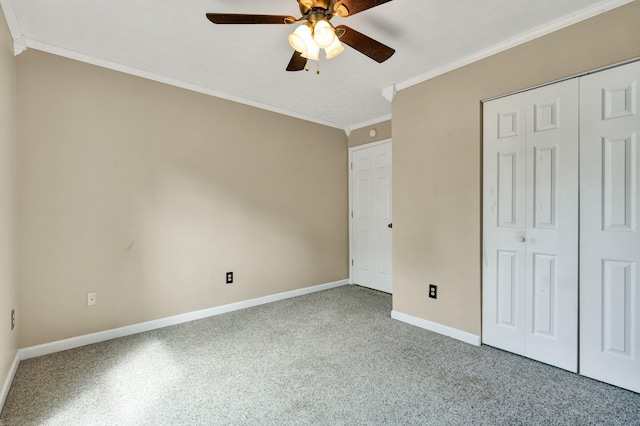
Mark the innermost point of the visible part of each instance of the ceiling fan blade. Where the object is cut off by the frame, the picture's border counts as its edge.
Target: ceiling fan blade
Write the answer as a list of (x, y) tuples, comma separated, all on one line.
[(297, 62), (365, 45), (240, 18), (344, 8)]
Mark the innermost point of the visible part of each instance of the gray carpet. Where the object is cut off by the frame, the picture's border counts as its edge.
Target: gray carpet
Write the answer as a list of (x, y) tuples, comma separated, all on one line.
[(334, 357)]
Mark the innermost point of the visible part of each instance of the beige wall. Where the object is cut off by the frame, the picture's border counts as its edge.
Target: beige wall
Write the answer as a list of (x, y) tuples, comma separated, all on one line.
[(361, 136), (149, 194), (8, 338), (437, 160)]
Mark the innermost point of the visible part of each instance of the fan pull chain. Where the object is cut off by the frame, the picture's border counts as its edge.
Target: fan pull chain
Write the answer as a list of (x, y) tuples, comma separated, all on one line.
[(306, 67)]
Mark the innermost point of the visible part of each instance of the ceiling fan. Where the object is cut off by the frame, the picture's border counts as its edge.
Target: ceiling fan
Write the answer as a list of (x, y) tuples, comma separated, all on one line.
[(317, 32)]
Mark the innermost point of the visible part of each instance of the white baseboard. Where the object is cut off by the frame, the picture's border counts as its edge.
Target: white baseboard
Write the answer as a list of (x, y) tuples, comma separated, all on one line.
[(8, 380), (88, 339), (437, 328)]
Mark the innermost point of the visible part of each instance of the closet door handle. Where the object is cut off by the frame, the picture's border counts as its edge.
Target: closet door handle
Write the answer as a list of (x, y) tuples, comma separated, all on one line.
[(521, 238)]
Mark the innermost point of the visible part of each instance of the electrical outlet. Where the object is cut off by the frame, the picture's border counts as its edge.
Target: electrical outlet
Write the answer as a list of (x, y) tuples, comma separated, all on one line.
[(229, 277), (13, 319), (433, 291), (92, 298)]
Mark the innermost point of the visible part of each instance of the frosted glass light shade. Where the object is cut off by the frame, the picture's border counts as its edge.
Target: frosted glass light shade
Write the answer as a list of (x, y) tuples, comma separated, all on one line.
[(312, 52), (301, 38), (334, 49), (323, 34)]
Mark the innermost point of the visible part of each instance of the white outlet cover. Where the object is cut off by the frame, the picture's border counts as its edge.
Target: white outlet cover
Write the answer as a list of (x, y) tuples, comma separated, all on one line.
[(92, 298)]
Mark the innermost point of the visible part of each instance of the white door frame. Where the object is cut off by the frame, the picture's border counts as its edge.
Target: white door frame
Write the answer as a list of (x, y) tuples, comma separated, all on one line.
[(350, 173)]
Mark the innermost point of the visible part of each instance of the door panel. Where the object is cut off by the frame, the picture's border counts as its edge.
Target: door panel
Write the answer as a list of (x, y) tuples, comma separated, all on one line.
[(507, 189), (609, 239), (545, 186), (552, 225), (545, 289), (507, 281), (617, 284), (619, 167), (371, 215), (504, 150)]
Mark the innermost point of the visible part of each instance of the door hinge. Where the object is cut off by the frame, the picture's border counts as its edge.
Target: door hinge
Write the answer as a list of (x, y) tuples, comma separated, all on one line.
[(352, 165), (351, 262), (351, 213)]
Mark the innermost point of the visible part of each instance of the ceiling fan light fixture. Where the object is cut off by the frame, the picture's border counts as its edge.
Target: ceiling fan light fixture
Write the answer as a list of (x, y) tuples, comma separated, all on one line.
[(334, 49), (301, 38), (317, 32), (323, 34)]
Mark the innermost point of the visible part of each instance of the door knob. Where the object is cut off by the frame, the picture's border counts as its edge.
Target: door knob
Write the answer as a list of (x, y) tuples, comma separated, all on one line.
[(390, 225), (521, 238)]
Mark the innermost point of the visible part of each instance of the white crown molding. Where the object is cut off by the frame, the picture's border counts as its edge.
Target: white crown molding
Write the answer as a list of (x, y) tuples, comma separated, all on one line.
[(19, 41), (60, 51), (101, 336), (389, 92), (454, 333), (19, 45), (540, 31)]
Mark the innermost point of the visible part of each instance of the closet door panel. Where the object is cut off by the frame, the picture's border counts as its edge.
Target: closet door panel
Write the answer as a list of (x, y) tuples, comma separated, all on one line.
[(504, 223), (609, 237), (552, 225)]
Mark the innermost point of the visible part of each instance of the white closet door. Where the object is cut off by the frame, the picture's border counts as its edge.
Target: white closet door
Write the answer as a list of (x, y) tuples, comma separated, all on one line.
[(530, 283), (609, 234), (504, 151), (552, 225)]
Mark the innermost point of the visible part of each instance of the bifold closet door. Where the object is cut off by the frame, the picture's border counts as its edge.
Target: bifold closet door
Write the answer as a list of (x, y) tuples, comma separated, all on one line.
[(530, 229), (504, 183), (609, 220)]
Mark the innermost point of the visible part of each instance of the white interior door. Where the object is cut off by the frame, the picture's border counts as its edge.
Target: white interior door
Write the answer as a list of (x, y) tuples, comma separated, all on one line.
[(609, 235), (371, 216), (530, 274)]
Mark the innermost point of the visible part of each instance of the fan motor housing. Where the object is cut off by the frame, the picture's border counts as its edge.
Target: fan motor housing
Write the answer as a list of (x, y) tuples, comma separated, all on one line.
[(324, 4), (307, 6)]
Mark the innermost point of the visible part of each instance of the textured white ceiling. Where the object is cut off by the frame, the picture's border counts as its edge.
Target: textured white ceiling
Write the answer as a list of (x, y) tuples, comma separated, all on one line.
[(172, 41)]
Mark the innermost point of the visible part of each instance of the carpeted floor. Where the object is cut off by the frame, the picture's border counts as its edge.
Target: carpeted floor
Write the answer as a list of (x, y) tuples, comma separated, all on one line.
[(334, 357)]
